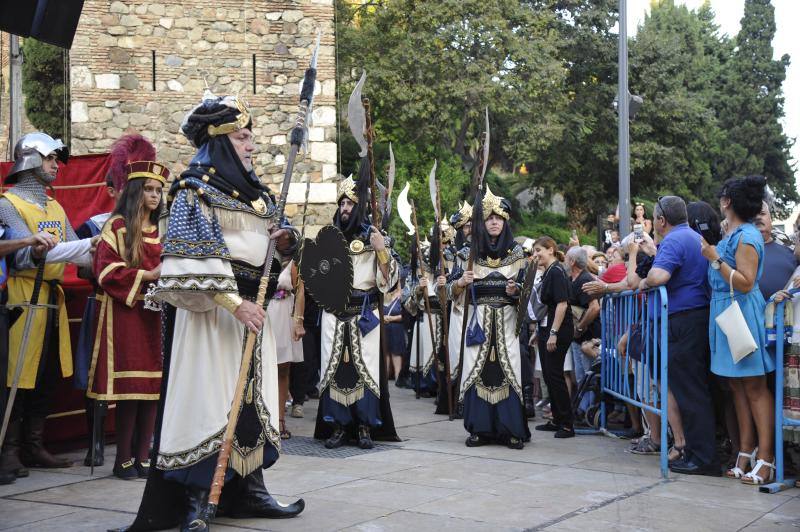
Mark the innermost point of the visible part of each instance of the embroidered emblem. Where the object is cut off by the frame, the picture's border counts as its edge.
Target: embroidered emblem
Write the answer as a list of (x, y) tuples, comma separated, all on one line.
[(52, 227)]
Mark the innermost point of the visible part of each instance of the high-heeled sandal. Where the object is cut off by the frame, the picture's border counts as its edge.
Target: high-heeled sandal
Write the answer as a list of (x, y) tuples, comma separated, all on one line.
[(753, 479), (285, 434), (736, 471)]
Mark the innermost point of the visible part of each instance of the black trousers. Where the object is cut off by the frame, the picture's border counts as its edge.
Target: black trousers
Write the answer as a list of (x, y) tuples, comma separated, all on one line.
[(525, 356), (311, 361), (553, 373), (689, 358)]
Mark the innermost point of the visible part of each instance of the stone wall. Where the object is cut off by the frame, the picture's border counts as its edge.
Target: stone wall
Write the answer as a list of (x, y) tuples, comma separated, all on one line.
[(116, 87)]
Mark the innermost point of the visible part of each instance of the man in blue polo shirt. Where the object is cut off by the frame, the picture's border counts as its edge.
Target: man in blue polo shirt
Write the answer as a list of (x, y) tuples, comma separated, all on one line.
[(679, 265)]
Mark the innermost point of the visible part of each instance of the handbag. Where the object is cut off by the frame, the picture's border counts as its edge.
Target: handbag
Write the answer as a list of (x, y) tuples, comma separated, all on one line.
[(367, 321), (732, 323), (475, 334)]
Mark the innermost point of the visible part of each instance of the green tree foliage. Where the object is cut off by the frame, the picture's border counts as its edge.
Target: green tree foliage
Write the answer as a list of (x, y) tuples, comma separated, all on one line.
[(675, 66), (432, 68), (43, 86), (753, 106), (547, 70)]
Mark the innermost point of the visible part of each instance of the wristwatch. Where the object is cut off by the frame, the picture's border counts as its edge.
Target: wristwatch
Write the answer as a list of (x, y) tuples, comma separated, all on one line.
[(553, 332), (716, 264)]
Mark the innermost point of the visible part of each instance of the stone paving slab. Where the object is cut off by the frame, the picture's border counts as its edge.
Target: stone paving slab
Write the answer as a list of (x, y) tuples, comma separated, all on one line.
[(432, 482)]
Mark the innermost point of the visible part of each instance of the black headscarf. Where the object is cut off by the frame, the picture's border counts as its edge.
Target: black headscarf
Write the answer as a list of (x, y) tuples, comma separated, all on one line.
[(217, 152), (481, 239)]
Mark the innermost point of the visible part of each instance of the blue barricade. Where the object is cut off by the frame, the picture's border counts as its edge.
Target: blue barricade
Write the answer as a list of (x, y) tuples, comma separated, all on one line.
[(634, 354), (781, 483)]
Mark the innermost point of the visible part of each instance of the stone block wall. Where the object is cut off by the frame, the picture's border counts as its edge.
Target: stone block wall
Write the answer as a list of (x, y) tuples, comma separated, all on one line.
[(142, 65)]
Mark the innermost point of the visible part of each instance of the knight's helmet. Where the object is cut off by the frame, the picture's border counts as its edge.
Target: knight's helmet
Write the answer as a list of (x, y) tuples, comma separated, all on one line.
[(30, 152)]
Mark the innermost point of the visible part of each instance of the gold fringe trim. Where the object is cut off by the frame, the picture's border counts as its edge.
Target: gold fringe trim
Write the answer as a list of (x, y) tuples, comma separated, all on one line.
[(491, 394), (347, 397), (236, 220), (244, 465)]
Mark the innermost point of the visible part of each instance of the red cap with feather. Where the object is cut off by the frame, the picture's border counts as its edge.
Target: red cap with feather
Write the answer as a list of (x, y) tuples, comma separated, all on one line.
[(128, 149)]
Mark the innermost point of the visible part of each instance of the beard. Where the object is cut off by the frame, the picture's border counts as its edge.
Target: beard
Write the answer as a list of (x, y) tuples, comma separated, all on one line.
[(43, 176), (345, 216)]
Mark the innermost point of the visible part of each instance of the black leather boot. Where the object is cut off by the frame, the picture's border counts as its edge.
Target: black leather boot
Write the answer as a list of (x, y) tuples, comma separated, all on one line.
[(9, 461), (34, 453), (7, 477), (337, 439), (196, 499), (364, 438), (96, 419), (530, 403), (254, 500)]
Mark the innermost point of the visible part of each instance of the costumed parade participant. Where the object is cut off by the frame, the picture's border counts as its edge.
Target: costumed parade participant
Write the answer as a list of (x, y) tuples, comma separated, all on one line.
[(287, 327), (127, 149), (422, 303), (354, 400), (126, 364), (217, 236), (461, 222), (41, 242), (39, 346), (490, 380)]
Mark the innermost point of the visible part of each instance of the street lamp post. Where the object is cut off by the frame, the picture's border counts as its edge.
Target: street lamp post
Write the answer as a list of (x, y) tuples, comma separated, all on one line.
[(623, 153)]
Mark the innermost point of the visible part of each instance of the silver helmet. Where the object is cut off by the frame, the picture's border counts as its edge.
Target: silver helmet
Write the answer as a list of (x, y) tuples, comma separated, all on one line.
[(30, 151)]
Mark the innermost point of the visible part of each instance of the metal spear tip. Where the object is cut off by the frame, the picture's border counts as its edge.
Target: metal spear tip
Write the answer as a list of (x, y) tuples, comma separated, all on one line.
[(315, 53)]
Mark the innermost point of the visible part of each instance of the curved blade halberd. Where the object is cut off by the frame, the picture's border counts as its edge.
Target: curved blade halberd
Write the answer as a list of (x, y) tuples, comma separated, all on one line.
[(432, 191), (486, 138), (390, 182), (404, 208), (356, 117)]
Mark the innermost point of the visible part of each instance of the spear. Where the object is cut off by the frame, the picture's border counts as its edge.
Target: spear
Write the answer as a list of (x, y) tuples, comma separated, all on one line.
[(427, 299), (483, 162), (433, 185), (298, 137)]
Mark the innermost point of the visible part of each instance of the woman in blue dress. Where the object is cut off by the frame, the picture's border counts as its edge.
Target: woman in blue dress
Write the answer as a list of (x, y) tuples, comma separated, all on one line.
[(740, 256), (395, 332)]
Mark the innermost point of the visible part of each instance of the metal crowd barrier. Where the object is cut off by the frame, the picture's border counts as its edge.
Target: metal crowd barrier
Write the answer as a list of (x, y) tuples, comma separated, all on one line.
[(781, 483), (637, 375)]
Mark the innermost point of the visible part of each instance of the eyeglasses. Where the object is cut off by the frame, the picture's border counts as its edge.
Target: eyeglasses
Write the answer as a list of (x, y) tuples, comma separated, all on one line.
[(661, 207)]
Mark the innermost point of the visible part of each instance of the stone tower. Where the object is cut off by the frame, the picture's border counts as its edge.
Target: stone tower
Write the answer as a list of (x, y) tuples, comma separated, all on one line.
[(140, 65)]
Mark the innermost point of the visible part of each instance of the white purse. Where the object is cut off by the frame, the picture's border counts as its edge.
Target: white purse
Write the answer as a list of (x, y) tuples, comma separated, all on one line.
[(740, 341)]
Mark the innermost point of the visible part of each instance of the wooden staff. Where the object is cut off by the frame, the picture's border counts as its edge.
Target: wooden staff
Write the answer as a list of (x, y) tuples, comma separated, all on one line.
[(201, 523), (426, 298), (443, 303), (376, 221)]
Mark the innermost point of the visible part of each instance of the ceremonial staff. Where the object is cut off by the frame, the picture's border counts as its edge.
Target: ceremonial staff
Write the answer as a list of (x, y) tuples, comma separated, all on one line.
[(433, 186), (298, 138), (360, 122), (32, 306), (406, 211), (425, 297), (483, 162)]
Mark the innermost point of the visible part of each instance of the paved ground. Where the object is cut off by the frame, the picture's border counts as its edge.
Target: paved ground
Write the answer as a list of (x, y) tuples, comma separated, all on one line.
[(431, 481)]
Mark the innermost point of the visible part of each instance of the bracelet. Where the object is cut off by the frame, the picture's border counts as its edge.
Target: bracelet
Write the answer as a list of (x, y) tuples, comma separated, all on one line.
[(605, 289), (383, 256), (297, 318), (229, 302)]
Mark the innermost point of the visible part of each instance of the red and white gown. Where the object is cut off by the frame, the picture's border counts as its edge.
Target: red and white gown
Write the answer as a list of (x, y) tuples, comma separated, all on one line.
[(126, 360)]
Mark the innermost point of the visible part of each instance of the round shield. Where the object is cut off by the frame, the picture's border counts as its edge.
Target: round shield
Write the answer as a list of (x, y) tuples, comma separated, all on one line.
[(326, 269)]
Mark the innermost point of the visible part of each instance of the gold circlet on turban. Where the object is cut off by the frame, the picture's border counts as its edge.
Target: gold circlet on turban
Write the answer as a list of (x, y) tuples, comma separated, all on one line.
[(493, 205), (464, 215), (242, 119), (347, 188)]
